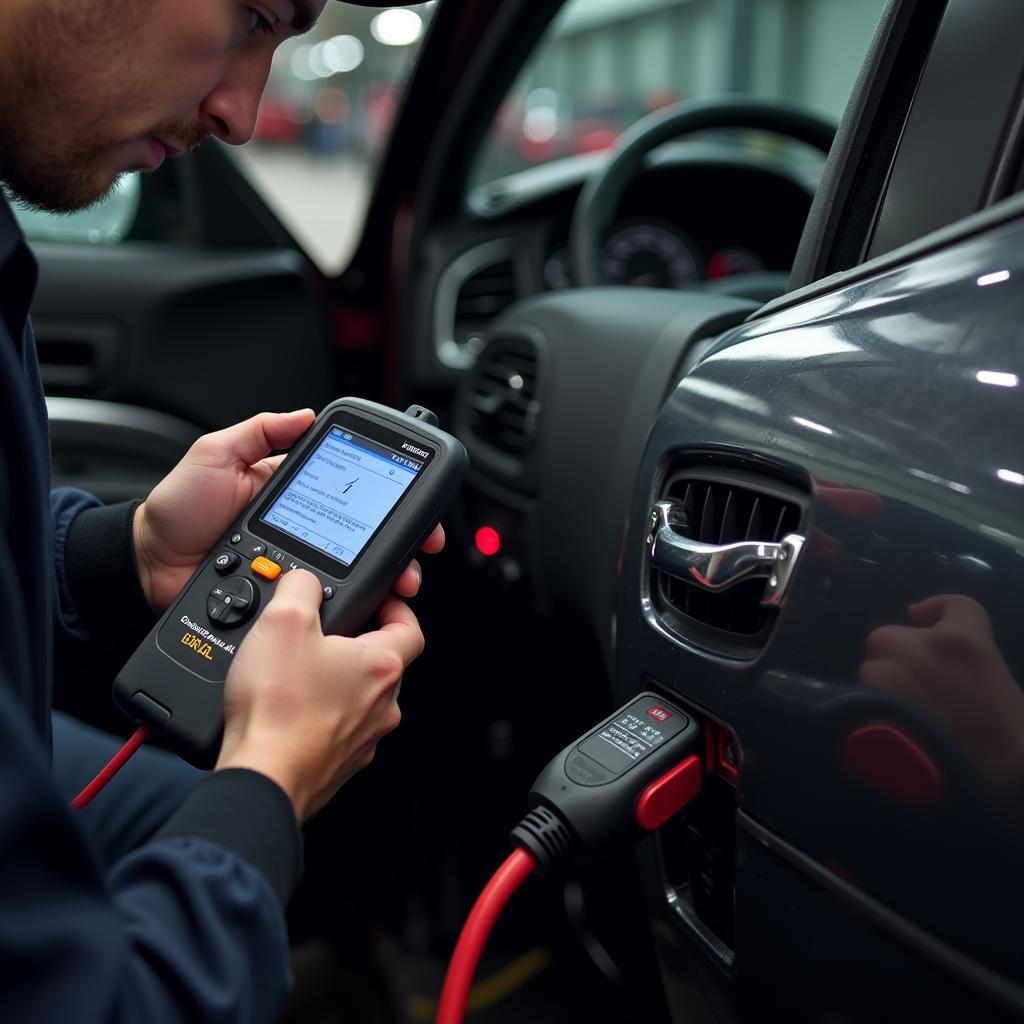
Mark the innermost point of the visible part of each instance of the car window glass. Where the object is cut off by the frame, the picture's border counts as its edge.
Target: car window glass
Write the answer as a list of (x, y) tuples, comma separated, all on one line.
[(604, 64), (324, 120)]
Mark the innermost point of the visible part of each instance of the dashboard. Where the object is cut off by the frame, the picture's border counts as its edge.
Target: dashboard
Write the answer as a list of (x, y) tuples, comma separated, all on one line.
[(703, 234), (699, 214), (651, 253), (683, 224)]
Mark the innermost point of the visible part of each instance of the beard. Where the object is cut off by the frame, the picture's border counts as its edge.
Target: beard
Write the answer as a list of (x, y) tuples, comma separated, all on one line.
[(68, 177), (40, 180), (66, 70)]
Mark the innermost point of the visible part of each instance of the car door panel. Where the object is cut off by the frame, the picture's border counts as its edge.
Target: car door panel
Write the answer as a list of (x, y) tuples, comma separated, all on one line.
[(209, 337), (143, 346)]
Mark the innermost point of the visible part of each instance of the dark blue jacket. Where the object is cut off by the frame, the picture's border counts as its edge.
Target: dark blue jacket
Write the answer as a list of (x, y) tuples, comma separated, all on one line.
[(190, 926)]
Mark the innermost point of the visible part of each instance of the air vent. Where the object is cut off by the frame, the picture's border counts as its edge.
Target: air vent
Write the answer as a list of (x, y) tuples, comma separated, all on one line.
[(503, 403), (482, 297), (724, 508), (474, 289)]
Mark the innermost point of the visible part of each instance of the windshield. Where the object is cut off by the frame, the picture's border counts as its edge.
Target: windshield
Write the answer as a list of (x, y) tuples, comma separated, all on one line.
[(604, 64)]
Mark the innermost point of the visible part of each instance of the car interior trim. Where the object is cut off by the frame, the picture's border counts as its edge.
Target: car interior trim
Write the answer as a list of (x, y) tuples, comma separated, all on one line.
[(198, 315), (682, 908), (1006, 177), (450, 352), (846, 203), (136, 422)]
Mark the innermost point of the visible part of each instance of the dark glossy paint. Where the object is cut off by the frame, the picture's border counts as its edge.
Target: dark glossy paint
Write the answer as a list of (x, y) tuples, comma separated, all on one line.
[(880, 850)]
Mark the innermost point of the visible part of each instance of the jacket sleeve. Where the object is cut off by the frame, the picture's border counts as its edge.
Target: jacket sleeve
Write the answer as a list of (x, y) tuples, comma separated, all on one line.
[(189, 927), (66, 504), (101, 613)]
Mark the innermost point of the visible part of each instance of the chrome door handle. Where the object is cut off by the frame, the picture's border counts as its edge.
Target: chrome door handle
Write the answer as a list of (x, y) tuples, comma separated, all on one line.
[(717, 566)]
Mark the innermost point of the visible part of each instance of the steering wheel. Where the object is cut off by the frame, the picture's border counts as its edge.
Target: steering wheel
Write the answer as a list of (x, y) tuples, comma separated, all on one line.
[(595, 210)]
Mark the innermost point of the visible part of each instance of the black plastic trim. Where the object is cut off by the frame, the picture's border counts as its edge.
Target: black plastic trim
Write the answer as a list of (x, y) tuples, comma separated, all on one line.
[(516, 471), (201, 327), (956, 125), (846, 204), (1006, 176)]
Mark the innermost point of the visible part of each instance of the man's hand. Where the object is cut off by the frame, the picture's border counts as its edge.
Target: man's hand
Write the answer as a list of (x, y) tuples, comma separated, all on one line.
[(189, 510), (307, 710)]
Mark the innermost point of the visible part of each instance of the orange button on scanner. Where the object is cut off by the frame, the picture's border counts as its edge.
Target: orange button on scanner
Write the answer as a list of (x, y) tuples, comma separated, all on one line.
[(266, 568)]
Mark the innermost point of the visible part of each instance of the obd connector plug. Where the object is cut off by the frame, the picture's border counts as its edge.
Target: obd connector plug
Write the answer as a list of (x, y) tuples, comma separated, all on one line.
[(606, 790)]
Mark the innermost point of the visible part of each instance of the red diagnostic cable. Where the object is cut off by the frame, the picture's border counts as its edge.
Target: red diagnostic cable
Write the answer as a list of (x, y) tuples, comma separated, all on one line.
[(113, 766), (518, 866)]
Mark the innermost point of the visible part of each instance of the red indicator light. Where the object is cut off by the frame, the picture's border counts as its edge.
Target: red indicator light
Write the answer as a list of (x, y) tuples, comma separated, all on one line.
[(487, 541)]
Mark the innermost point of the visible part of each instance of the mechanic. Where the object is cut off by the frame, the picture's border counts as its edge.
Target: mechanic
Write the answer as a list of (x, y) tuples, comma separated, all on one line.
[(189, 925)]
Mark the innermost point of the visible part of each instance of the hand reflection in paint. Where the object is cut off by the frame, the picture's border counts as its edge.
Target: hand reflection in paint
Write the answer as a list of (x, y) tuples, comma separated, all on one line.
[(946, 661)]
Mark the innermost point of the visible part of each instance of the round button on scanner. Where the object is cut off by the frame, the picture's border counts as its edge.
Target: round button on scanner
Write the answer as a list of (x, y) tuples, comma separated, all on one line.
[(226, 562), (232, 603)]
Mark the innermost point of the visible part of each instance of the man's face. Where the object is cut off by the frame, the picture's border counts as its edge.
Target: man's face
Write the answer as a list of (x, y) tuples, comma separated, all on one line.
[(90, 89)]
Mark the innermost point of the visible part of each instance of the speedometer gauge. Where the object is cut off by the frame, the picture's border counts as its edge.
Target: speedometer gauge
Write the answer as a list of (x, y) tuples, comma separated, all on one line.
[(649, 255), (556, 270)]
